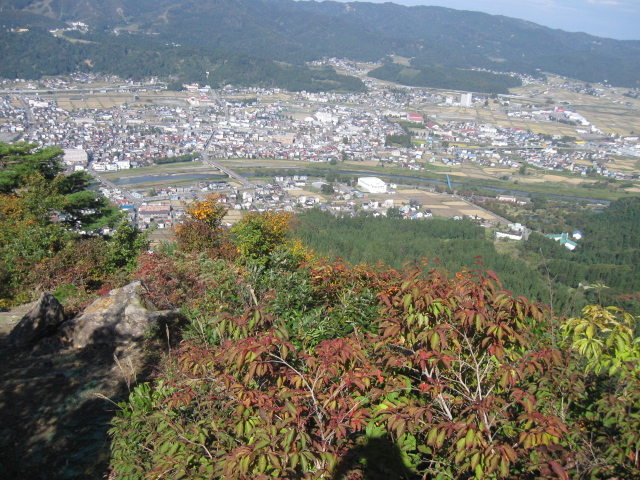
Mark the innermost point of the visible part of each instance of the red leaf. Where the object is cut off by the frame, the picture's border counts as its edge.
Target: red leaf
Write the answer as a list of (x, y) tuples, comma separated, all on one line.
[(492, 274), (557, 468)]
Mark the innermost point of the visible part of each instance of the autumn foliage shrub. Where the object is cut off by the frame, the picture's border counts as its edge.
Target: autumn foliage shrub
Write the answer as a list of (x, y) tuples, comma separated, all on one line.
[(448, 374), (258, 235), (80, 263), (169, 281), (40, 209), (607, 431), (298, 367), (201, 229)]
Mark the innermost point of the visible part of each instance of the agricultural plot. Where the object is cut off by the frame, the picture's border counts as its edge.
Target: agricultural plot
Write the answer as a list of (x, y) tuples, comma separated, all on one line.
[(441, 205), (558, 178), (609, 112), (612, 120), (159, 170), (501, 119), (626, 165), (71, 101)]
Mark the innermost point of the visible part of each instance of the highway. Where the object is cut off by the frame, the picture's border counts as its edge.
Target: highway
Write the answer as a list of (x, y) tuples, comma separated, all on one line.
[(222, 103), (30, 120)]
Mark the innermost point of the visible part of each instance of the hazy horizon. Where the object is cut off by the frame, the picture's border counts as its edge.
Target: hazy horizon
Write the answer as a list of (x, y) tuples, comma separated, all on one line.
[(616, 19)]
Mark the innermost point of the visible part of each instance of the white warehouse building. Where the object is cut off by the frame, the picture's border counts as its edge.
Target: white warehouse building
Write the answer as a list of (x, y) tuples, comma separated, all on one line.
[(372, 185)]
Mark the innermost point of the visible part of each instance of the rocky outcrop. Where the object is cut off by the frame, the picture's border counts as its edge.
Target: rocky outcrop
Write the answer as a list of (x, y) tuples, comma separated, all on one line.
[(41, 321), (112, 321), (116, 319)]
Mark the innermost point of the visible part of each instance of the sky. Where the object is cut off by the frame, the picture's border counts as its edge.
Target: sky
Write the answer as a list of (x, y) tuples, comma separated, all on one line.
[(619, 19)]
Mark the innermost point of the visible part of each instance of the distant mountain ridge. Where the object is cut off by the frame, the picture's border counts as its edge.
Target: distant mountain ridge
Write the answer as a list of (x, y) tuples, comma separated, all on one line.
[(297, 31)]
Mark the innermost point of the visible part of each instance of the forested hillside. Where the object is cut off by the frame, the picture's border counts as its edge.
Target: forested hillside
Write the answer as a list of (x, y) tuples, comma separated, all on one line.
[(446, 77), (465, 39), (37, 53), (605, 268), (436, 39), (607, 257), (445, 244)]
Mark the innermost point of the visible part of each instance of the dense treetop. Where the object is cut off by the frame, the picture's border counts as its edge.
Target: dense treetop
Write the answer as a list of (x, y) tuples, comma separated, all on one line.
[(42, 212), (37, 53), (293, 366), (446, 77)]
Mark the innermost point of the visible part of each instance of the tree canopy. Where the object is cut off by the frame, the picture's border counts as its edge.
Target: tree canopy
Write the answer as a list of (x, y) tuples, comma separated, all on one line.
[(42, 211)]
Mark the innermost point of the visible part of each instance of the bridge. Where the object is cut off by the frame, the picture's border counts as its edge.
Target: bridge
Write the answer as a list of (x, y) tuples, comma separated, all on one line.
[(205, 158), (135, 201), (205, 154)]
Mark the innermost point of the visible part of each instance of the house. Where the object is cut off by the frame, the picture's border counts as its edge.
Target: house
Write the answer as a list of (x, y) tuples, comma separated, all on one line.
[(155, 213), (123, 164), (75, 157), (415, 117), (563, 238)]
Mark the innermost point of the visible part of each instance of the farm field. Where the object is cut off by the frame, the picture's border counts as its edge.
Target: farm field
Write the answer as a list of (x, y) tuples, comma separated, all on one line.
[(72, 100)]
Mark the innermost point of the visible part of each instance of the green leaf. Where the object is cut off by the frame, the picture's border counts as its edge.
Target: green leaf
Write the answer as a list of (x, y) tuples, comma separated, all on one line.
[(468, 440), (261, 444), (431, 437), (262, 463), (475, 459), (406, 301)]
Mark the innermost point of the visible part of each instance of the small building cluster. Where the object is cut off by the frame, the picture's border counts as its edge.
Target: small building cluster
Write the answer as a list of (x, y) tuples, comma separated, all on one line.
[(565, 239)]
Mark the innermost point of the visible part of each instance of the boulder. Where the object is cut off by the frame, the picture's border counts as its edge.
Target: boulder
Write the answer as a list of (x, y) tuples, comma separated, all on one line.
[(119, 318), (41, 321)]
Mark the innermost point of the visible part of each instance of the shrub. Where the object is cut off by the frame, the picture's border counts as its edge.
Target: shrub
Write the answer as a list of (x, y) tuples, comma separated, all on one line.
[(450, 381), (202, 228)]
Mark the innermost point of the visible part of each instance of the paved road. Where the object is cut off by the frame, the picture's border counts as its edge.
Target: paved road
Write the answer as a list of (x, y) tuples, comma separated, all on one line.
[(222, 103), (205, 154), (222, 168), (135, 201), (30, 120), (245, 183), (205, 158)]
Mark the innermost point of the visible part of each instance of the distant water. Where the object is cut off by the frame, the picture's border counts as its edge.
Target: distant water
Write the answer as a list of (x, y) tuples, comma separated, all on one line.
[(520, 193), (170, 178)]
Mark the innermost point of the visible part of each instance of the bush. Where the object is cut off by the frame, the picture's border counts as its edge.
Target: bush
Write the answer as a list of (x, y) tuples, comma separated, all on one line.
[(202, 228), (449, 378)]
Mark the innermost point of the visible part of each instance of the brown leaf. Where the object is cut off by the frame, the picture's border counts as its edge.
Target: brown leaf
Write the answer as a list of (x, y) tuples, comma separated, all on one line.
[(559, 470)]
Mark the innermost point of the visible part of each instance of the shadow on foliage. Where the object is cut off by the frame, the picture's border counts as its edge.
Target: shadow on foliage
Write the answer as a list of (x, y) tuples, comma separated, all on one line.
[(56, 409), (378, 459)]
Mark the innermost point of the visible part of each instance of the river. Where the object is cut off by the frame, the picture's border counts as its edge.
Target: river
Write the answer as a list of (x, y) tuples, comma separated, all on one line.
[(163, 178), (521, 193), (211, 177)]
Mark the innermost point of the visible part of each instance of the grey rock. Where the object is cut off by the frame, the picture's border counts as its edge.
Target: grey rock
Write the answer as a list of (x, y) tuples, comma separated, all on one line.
[(119, 318), (43, 320)]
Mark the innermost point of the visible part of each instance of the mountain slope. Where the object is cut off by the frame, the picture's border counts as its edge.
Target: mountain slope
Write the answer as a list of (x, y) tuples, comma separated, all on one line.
[(492, 41), (293, 32)]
